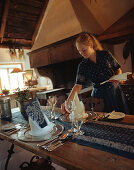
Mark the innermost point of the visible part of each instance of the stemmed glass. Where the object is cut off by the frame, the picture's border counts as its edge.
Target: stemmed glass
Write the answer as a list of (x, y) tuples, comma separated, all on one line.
[(70, 109), (78, 123), (76, 119), (52, 100), (93, 114)]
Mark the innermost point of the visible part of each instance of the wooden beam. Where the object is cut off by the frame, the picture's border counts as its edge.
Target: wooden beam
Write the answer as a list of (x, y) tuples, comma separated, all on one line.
[(9, 42), (24, 46), (4, 19), (21, 41), (116, 34), (123, 27), (39, 20)]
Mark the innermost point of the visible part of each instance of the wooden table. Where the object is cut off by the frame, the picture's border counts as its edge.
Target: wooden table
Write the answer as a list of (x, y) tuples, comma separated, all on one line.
[(74, 156)]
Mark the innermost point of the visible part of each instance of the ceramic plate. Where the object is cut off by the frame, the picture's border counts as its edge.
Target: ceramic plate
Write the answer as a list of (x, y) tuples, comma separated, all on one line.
[(26, 137), (65, 117), (116, 115)]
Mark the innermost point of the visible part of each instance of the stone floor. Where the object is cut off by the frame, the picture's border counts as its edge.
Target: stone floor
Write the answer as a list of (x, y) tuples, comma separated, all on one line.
[(17, 158)]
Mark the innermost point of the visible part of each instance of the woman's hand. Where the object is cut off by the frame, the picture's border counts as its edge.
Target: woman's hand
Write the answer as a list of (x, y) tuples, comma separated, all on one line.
[(114, 81), (76, 88), (63, 108)]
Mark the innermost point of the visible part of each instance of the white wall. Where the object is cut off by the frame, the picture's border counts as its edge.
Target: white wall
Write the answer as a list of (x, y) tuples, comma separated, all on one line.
[(5, 58)]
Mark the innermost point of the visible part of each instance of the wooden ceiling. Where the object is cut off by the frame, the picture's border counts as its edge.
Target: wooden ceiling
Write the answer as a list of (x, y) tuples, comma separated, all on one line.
[(121, 30), (20, 21)]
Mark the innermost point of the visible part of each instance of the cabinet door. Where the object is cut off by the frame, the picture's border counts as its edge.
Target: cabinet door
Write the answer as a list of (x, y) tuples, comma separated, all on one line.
[(128, 91)]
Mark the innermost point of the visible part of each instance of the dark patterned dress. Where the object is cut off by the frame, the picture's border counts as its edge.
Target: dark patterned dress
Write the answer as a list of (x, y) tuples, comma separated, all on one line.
[(99, 72)]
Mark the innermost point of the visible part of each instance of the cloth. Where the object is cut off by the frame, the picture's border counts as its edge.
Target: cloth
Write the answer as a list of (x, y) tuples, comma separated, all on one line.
[(111, 136), (99, 72), (34, 111), (78, 105), (113, 98)]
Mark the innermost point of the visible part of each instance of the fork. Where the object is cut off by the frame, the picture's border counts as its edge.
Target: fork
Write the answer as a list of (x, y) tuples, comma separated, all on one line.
[(51, 141), (59, 143)]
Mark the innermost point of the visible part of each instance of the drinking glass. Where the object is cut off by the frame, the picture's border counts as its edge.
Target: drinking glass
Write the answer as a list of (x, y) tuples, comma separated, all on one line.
[(52, 100), (78, 121), (93, 114), (70, 109)]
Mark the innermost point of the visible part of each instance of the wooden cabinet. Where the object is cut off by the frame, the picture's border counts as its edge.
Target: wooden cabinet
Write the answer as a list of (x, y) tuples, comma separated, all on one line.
[(128, 90)]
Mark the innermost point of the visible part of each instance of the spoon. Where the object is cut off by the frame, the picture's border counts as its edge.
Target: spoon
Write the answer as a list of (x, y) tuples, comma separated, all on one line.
[(59, 143), (49, 142)]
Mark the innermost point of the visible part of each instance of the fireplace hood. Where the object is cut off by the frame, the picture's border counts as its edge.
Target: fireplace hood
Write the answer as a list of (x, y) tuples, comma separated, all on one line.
[(54, 53)]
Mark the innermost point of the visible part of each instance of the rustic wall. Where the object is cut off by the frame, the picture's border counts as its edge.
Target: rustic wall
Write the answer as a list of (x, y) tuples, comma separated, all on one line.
[(5, 57)]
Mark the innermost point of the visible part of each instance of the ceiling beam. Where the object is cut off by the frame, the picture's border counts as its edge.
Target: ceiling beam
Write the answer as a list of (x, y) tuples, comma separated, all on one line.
[(116, 34), (4, 19), (123, 27), (17, 43), (23, 41), (40, 20)]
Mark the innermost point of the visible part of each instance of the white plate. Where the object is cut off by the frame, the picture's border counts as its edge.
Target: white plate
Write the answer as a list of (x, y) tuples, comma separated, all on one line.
[(26, 137), (116, 115)]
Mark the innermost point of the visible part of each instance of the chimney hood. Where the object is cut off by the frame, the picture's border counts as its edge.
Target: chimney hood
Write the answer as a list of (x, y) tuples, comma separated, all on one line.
[(54, 53)]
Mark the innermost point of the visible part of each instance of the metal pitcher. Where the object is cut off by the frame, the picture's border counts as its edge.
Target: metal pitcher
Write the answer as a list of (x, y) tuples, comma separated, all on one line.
[(5, 108)]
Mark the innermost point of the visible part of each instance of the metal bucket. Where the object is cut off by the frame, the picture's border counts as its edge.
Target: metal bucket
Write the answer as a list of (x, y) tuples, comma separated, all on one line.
[(5, 108)]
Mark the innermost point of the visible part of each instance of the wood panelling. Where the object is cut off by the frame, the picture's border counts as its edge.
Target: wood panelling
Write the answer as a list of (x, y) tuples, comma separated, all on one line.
[(61, 51), (40, 58), (20, 20)]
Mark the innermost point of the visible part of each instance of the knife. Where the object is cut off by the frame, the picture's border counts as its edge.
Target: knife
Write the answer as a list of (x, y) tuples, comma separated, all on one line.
[(47, 142), (58, 143)]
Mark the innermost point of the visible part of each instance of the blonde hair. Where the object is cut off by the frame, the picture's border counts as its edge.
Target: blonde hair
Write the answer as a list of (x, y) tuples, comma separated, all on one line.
[(87, 39)]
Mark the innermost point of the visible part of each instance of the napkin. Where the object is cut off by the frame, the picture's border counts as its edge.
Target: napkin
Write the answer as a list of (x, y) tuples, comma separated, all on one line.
[(39, 123), (78, 107)]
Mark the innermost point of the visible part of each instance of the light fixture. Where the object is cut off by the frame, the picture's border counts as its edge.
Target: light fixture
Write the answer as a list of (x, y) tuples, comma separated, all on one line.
[(29, 74), (17, 70)]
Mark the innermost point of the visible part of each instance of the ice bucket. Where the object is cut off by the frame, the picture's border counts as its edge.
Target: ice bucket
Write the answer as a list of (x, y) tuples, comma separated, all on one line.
[(5, 108)]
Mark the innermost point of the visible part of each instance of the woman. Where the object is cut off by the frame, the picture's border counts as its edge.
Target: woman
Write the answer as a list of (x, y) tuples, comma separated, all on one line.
[(98, 66)]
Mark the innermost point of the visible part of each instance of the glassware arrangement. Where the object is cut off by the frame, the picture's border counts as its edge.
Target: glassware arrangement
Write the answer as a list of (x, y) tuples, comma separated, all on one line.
[(52, 100), (70, 109), (76, 118), (78, 121)]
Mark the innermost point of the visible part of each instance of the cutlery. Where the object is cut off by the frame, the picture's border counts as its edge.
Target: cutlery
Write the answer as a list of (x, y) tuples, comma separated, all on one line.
[(50, 141), (108, 114), (47, 142), (58, 143), (10, 131)]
